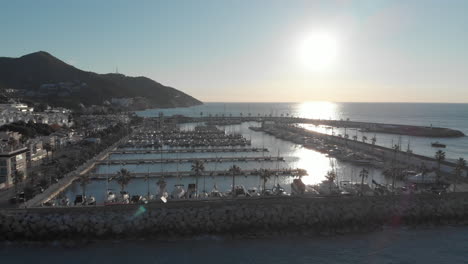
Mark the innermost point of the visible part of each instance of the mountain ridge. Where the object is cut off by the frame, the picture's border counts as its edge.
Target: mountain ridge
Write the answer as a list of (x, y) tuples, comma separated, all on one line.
[(31, 71)]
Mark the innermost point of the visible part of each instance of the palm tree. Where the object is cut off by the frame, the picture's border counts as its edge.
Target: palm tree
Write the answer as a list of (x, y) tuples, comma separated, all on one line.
[(123, 178), (363, 174), (461, 165), (331, 177), (265, 176), (198, 168), (234, 170), (374, 139), (84, 181), (423, 170), (161, 183), (301, 173), (355, 138), (394, 169), (439, 156), (364, 139), (18, 178)]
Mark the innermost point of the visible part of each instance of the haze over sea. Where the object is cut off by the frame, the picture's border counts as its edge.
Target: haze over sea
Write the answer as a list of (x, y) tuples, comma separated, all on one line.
[(453, 116)]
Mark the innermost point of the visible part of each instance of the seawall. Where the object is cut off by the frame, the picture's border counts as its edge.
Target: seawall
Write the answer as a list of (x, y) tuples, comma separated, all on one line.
[(234, 217)]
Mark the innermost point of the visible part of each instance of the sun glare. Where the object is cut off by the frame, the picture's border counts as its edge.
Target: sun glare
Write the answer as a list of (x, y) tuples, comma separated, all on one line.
[(318, 51)]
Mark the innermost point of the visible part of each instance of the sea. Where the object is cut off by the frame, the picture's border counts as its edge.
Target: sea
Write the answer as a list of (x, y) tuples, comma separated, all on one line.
[(393, 245)]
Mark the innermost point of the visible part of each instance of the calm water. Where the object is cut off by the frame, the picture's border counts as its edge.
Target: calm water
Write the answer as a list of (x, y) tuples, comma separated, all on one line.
[(442, 245), (453, 116), (295, 156), (445, 115)]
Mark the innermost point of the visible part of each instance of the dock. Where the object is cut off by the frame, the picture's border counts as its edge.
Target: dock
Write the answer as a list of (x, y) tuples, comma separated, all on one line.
[(143, 175), (187, 150), (182, 160)]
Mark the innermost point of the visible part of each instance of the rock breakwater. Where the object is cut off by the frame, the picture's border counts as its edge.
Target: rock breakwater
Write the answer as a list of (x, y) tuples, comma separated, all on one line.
[(240, 217)]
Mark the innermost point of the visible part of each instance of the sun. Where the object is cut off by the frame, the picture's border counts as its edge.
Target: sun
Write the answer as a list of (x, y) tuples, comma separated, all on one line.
[(318, 51)]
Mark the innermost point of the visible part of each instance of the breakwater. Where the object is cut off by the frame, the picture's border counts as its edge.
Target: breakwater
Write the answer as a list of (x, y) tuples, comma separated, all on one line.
[(234, 217), (410, 130)]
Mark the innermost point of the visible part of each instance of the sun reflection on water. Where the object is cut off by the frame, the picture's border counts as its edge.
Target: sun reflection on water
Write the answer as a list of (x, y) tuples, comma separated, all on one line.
[(315, 163), (318, 110)]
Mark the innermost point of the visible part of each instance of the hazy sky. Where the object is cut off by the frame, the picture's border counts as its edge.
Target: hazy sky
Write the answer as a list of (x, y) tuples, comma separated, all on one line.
[(246, 50)]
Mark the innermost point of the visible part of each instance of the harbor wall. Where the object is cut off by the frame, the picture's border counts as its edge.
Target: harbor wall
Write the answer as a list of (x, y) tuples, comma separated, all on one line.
[(386, 154), (254, 217)]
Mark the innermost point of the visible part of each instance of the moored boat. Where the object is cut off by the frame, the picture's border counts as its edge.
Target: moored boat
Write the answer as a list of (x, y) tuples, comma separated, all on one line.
[(437, 144)]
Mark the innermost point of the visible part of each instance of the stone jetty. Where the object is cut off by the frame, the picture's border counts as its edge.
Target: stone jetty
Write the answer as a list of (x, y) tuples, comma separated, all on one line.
[(258, 217), (410, 130)]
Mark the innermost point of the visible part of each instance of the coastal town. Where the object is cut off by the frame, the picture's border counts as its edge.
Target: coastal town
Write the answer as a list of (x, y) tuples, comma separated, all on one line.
[(59, 159)]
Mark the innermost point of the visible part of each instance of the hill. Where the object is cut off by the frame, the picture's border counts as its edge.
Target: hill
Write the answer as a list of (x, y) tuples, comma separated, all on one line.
[(44, 77)]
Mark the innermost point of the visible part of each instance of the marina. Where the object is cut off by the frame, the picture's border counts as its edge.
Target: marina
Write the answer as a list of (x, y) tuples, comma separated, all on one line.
[(171, 165)]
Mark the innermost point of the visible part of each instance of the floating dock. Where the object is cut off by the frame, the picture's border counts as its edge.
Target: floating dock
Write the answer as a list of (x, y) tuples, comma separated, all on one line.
[(182, 160), (187, 150), (142, 175)]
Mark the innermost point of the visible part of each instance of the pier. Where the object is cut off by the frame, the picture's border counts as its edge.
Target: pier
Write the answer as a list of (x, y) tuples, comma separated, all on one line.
[(399, 129), (220, 159), (142, 175), (187, 150)]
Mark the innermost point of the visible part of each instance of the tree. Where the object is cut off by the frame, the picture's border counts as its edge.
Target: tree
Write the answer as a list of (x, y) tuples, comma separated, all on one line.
[(394, 169), (423, 170), (161, 183), (123, 178), (301, 173), (364, 139), (84, 181), (234, 170), (265, 176), (461, 165), (198, 168), (18, 178), (374, 139), (331, 177), (439, 156), (363, 174), (355, 138)]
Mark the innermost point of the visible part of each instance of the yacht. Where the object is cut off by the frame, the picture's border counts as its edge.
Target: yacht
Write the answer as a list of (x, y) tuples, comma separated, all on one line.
[(178, 192), (110, 196), (79, 200), (240, 191), (327, 187), (437, 144), (299, 188), (355, 188), (124, 197), (192, 190), (215, 193), (253, 192), (279, 191)]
